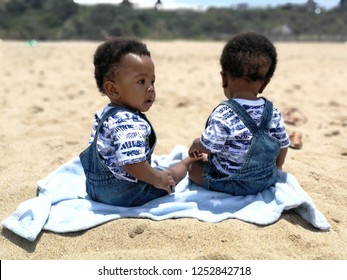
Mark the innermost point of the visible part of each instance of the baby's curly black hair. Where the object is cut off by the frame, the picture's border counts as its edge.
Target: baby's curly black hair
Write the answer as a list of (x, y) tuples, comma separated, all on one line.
[(250, 56), (108, 55)]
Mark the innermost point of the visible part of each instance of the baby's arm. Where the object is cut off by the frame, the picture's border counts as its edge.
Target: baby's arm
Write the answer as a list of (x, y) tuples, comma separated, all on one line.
[(143, 171), (281, 158)]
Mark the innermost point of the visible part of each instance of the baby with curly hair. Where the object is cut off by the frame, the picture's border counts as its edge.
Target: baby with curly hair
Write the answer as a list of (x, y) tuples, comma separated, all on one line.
[(245, 141), (117, 162)]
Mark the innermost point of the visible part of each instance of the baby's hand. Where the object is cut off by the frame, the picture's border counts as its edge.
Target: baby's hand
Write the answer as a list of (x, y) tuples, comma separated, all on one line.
[(167, 182)]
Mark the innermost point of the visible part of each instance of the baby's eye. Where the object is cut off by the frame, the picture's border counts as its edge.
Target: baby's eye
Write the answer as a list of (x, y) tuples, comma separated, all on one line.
[(141, 82)]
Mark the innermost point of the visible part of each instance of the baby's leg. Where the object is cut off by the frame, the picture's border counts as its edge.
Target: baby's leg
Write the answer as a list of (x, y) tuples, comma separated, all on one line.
[(195, 172), (179, 171)]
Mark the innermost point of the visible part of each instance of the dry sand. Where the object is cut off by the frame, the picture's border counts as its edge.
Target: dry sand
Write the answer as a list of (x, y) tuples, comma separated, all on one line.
[(47, 101)]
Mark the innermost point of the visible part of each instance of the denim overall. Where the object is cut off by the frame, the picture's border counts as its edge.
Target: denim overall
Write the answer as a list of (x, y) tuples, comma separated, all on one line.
[(101, 183), (259, 170)]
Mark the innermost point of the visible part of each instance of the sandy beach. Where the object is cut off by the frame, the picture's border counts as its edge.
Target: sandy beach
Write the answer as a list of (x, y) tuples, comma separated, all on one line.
[(48, 98)]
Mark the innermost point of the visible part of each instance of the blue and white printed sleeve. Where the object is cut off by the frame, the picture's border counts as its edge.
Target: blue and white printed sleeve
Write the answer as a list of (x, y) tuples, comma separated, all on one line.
[(278, 130), (217, 130)]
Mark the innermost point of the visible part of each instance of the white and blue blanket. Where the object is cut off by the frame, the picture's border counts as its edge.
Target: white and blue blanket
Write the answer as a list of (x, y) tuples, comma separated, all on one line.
[(63, 206)]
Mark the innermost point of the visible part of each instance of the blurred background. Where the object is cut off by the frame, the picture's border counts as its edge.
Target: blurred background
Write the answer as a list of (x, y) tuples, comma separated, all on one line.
[(164, 19)]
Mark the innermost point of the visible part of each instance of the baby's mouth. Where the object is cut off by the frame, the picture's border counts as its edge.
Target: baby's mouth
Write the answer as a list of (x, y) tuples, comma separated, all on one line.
[(150, 101)]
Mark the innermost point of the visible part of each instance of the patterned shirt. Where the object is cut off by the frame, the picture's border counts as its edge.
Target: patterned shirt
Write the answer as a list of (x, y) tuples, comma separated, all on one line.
[(228, 139), (123, 139)]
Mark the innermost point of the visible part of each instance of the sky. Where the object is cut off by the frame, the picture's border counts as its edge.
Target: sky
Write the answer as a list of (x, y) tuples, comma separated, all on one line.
[(203, 4)]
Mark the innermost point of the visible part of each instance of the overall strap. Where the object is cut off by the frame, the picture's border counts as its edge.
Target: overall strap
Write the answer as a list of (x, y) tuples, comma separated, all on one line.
[(109, 112), (152, 137), (267, 116), (242, 114), (247, 119)]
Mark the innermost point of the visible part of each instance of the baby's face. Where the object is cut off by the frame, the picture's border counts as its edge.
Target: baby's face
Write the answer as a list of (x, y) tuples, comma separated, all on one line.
[(134, 82)]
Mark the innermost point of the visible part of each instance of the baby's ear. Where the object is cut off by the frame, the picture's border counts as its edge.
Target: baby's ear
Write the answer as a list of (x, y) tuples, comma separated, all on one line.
[(263, 85), (224, 79), (110, 89)]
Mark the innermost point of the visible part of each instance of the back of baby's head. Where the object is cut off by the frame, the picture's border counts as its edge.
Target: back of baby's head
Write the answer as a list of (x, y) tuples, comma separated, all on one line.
[(250, 56), (108, 55)]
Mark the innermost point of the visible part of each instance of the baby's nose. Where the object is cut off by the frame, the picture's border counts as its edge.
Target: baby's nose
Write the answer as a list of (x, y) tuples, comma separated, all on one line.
[(151, 88)]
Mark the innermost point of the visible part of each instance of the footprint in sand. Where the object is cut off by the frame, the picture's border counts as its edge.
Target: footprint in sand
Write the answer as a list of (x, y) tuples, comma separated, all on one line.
[(36, 109), (332, 133), (72, 142), (344, 152), (181, 104), (136, 231)]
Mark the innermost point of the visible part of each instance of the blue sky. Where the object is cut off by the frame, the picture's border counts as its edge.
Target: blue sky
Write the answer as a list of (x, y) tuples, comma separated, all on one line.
[(170, 4)]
